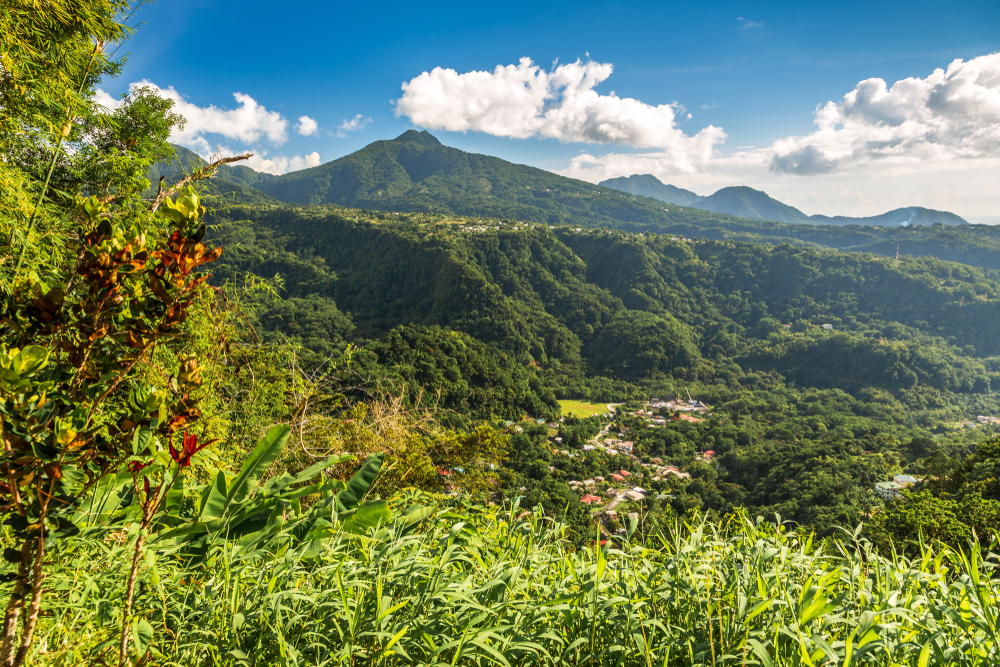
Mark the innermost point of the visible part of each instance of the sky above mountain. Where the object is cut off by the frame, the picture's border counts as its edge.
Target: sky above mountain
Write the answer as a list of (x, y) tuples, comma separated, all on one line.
[(836, 108)]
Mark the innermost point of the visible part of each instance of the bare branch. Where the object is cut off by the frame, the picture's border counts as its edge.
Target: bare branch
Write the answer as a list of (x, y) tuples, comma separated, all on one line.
[(198, 174)]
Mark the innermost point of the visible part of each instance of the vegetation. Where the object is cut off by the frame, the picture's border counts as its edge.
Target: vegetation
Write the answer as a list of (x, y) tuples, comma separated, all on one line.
[(415, 173), (264, 434)]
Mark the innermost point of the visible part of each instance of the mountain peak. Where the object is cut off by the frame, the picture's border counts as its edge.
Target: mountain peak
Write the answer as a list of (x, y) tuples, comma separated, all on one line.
[(648, 185), (423, 138)]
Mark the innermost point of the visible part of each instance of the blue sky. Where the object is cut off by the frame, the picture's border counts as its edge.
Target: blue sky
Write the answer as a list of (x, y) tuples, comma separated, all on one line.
[(758, 71)]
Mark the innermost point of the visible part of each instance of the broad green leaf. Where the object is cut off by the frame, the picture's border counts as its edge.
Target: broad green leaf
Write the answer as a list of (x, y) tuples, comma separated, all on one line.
[(761, 653), (141, 441), (263, 455), (362, 481), (29, 360), (214, 505), (174, 501), (142, 635), (925, 655), (369, 515)]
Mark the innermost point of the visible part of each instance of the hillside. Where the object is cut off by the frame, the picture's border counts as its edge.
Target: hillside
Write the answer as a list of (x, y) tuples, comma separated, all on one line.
[(608, 315), (745, 202), (452, 182), (648, 185), (911, 215), (232, 183)]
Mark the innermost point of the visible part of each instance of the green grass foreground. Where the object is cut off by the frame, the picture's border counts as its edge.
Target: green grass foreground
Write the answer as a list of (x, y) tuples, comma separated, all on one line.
[(474, 588)]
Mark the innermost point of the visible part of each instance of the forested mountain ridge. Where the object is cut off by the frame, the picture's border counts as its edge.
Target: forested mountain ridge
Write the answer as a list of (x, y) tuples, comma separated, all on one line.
[(648, 185), (231, 182), (554, 297), (456, 308), (535, 195), (745, 202)]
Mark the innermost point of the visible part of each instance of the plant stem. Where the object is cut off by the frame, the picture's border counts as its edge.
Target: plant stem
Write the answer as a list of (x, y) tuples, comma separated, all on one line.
[(37, 575), (14, 608), (128, 597)]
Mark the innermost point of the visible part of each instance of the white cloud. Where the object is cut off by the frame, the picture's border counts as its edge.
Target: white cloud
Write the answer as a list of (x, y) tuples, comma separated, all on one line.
[(352, 125), (523, 100), (280, 164), (248, 122), (306, 126), (951, 114), (931, 142), (106, 100)]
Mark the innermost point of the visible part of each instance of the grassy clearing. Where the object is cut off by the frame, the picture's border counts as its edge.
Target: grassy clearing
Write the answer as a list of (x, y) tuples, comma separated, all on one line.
[(582, 409)]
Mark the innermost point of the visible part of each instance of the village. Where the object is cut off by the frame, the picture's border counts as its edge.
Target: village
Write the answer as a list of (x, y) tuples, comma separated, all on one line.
[(607, 491)]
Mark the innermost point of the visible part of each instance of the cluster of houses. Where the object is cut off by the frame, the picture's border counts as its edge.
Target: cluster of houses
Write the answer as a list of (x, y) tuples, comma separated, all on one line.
[(624, 446), (981, 420), (893, 489), (682, 409), (635, 493)]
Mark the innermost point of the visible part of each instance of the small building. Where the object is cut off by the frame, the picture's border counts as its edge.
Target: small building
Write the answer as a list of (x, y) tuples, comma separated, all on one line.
[(588, 499), (588, 482), (905, 480), (598, 479), (624, 473), (638, 489), (611, 514), (889, 490), (709, 454), (828, 327), (634, 495), (633, 516), (657, 460), (617, 477), (611, 493)]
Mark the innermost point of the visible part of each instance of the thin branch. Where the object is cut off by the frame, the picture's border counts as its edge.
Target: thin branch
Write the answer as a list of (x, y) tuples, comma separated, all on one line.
[(205, 172)]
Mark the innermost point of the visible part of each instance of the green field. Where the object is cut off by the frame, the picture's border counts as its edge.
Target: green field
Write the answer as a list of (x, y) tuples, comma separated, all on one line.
[(582, 409)]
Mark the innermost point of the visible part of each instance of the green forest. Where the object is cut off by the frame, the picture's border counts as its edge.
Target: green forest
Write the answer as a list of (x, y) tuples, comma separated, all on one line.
[(314, 419)]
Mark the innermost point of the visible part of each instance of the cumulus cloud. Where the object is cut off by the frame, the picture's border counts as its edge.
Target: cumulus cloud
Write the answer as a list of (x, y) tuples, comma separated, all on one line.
[(248, 122), (804, 162), (106, 100), (352, 125), (306, 126), (523, 100), (938, 122), (281, 164), (951, 114)]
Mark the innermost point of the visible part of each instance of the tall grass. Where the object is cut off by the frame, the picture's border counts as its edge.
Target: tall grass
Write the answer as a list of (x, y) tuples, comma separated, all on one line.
[(475, 588)]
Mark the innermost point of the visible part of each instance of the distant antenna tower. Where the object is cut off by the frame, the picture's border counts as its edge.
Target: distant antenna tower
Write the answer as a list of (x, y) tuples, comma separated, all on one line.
[(897, 254)]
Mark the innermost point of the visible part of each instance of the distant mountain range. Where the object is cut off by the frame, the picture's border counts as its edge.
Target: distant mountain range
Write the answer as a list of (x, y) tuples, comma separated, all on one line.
[(745, 202), (417, 173)]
